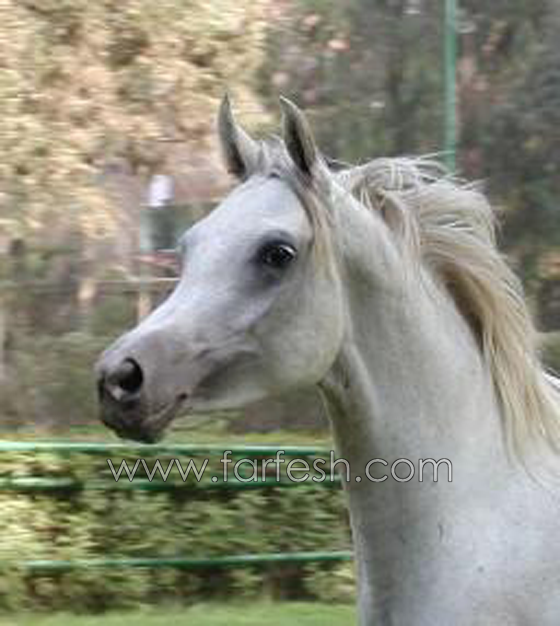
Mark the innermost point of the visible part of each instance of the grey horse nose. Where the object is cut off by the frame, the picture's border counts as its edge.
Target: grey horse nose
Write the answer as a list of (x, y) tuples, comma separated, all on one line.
[(123, 382)]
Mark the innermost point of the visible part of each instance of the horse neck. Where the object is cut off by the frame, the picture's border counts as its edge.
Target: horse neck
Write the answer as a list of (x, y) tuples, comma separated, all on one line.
[(409, 382), (410, 371), (409, 375)]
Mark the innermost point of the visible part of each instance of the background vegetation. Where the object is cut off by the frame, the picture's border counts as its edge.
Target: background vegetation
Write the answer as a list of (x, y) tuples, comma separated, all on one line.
[(90, 522)]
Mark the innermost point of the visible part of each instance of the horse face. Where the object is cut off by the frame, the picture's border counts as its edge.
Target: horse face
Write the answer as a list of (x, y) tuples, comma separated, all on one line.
[(254, 314)]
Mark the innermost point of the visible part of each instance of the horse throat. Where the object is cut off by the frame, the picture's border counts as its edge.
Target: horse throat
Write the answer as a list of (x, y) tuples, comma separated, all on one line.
[(409, 383)]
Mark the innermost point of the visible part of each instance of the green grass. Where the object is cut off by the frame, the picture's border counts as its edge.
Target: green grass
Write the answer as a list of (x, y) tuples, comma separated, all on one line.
[(259, 614)]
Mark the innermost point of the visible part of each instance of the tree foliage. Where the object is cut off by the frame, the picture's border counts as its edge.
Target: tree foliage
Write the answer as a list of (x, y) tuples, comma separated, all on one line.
[(521, 147), (371, 73), (87, 82)]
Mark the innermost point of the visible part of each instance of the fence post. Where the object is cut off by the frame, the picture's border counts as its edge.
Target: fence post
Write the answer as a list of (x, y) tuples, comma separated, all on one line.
[(2, 340)]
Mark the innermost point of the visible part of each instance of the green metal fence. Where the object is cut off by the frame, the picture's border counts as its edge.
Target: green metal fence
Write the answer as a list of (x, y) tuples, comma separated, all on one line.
[(26, 484)]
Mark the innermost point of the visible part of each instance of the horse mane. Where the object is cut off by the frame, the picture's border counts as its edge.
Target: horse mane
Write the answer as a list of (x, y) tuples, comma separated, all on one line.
[(449, 227)]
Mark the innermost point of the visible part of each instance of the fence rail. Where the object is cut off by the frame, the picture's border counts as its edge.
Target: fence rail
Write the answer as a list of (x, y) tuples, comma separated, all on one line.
[(132, 284), (238, 560)]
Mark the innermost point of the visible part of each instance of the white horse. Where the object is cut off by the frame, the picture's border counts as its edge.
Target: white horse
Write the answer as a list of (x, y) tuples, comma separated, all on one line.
[(382, 285)]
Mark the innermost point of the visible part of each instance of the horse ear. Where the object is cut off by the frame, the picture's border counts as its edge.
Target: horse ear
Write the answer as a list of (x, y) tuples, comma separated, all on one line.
[(298, 137), (238, 149)]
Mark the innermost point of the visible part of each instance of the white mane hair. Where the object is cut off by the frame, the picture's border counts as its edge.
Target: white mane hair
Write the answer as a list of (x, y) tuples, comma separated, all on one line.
[(448, 226)]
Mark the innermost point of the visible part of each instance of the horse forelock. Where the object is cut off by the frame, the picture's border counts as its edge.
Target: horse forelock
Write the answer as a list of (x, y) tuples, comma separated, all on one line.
[(274, 162)]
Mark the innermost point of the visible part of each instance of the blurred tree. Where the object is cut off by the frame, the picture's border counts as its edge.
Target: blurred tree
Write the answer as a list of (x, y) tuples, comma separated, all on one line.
[(88, 83), (370, 71), (521, 144)]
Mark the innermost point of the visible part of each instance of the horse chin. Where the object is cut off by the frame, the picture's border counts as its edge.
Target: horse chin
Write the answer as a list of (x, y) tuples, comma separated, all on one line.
[(143, 428)]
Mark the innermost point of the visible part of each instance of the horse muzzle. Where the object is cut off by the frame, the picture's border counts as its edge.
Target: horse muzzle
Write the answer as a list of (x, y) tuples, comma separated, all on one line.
[(124, 406)]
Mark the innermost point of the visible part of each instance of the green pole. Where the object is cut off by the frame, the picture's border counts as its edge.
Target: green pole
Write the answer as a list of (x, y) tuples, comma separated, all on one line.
[(238, 560), (450, 83)]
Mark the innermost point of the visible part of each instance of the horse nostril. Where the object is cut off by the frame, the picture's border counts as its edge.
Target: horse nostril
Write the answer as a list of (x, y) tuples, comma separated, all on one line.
[(126, 379)]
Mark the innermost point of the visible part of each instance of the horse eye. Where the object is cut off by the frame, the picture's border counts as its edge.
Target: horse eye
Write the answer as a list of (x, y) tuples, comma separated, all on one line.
[(277, 255)]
